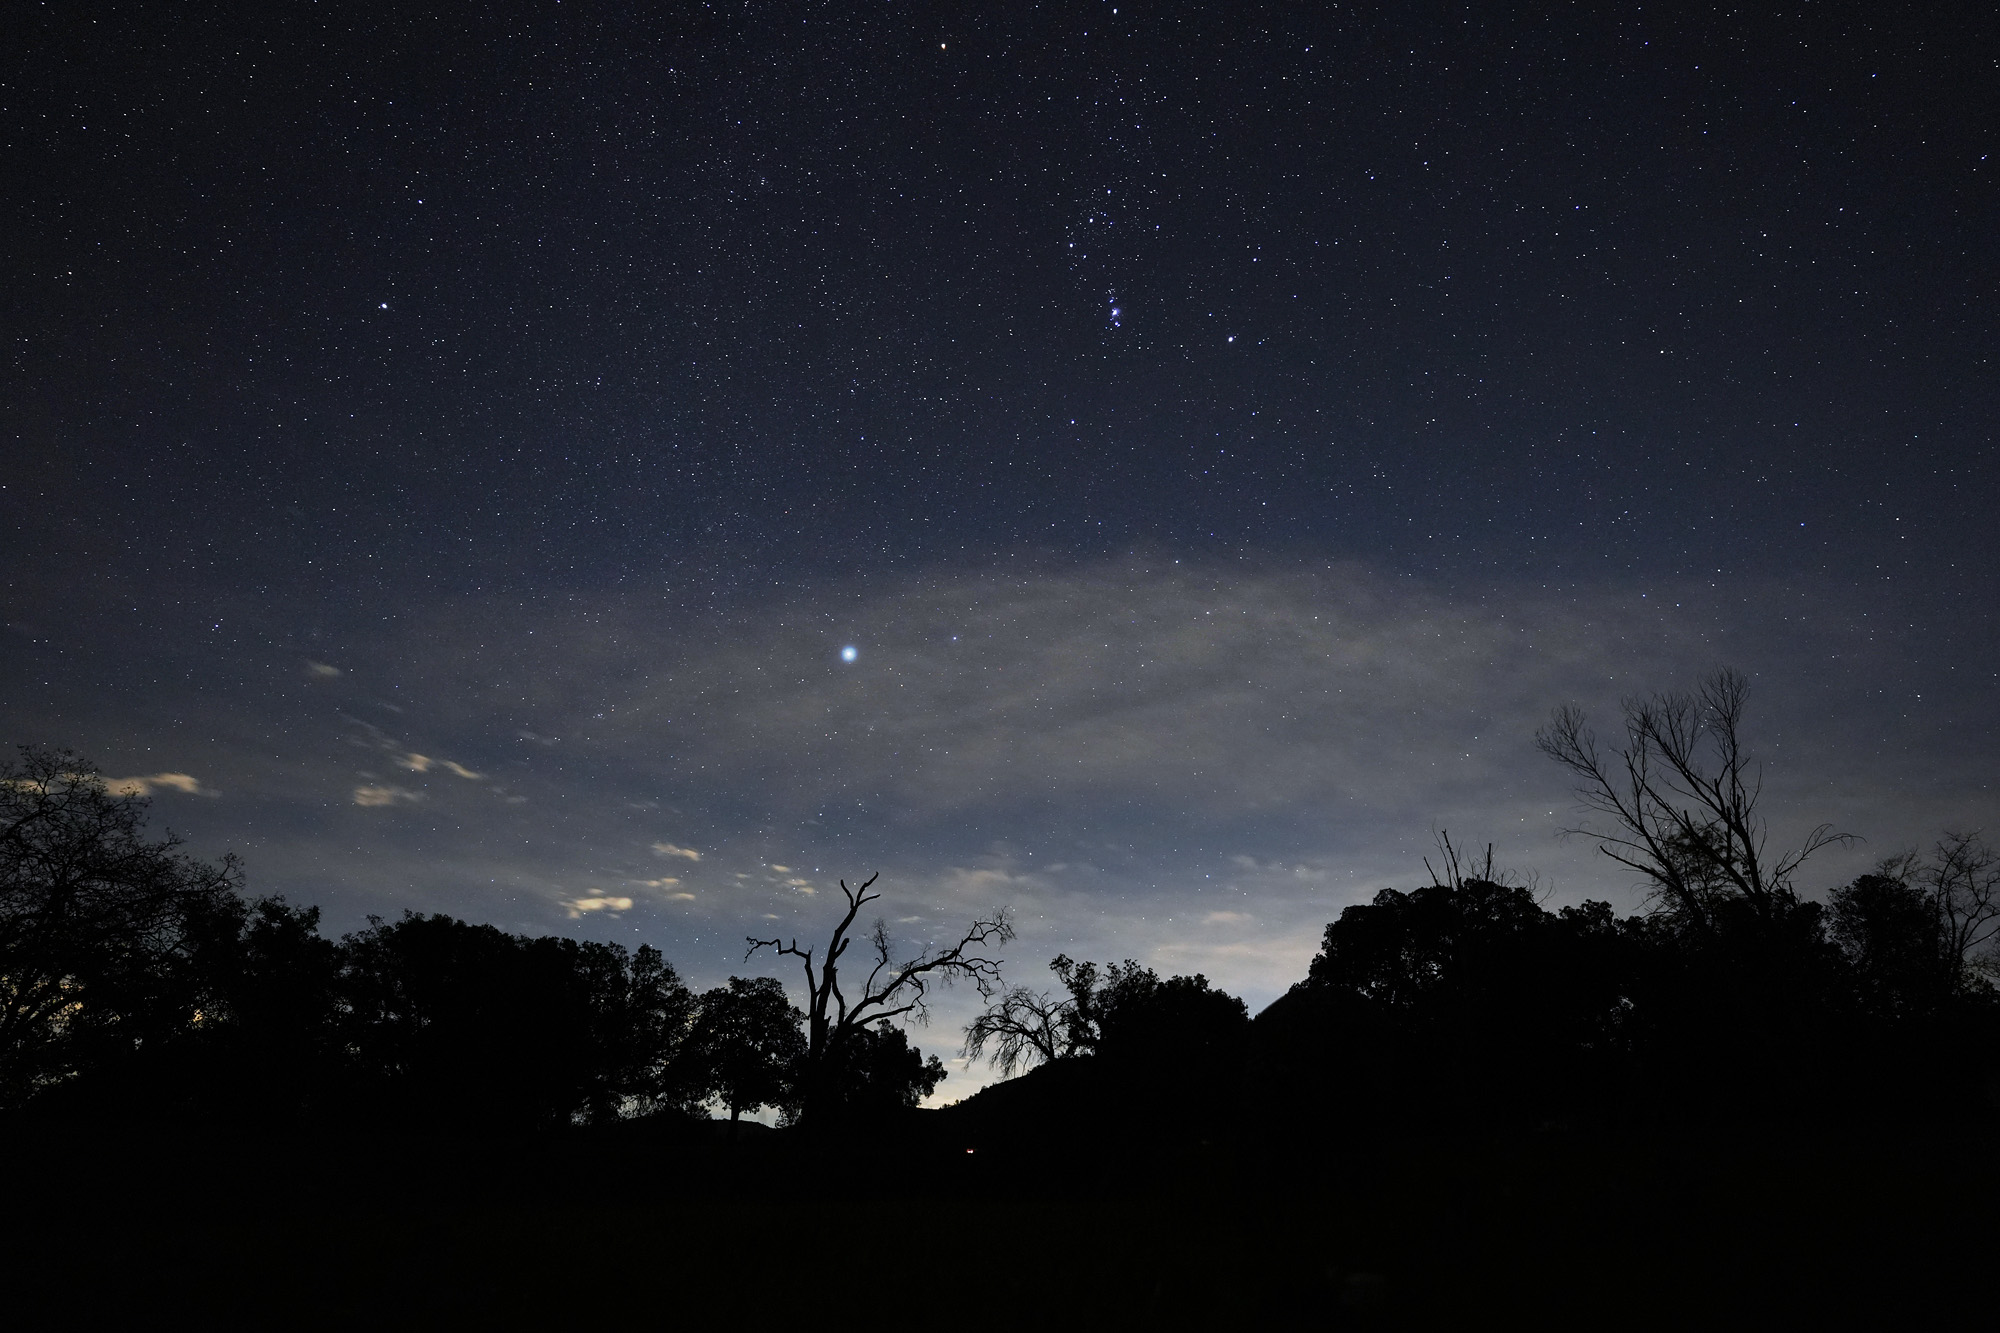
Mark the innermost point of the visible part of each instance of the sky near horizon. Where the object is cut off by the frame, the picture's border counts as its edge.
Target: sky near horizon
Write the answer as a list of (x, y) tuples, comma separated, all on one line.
[(616, 471)]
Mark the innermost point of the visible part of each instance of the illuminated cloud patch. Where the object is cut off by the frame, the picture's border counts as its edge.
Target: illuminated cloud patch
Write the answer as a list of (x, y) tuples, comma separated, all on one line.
[(608, 903), (383, 794), (423, 763), (184, 783)]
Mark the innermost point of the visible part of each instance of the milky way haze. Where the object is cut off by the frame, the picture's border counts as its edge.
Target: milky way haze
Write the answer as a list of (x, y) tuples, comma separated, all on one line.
[(446, 455)]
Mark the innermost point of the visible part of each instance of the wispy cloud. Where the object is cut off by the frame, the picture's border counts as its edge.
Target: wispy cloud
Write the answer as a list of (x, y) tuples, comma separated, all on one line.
[(185, 783), (1163, 697), (380, 794), (423, 763), (1169, 687), (1198, 766)]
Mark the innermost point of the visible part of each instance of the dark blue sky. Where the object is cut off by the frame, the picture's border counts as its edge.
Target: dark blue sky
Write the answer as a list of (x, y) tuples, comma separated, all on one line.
[(1222, 433)]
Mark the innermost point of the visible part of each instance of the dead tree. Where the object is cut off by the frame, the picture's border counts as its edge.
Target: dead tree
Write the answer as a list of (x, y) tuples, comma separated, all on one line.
[(1680, 801), (890, 990), (1964, 882), (1460, 869), (1025, 1026)]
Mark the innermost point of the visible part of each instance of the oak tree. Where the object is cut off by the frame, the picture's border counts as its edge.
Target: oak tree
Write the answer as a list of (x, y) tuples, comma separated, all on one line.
[(746, 1044), (838, 1017), (99, 923)]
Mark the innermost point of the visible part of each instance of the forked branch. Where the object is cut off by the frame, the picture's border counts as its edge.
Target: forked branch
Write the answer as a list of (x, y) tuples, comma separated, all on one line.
[(889, 989), (1680, 800)]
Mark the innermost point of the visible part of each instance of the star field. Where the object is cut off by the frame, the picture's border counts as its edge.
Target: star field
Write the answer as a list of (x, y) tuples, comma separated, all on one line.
[(1152, 464)]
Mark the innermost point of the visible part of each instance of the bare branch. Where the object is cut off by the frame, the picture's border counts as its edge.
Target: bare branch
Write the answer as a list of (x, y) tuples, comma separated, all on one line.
[(889, 990), (1023, 1026), (1679, 801), (1964, 883)]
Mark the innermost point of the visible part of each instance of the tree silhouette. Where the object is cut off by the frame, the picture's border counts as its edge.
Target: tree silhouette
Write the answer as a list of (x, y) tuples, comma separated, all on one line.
[(98, 923), (1403, 947), (1177, 1029), (269, 1038), (1963, 879), (1462, 999), (889, 990), (640, 1016), (746, 1044), (452, 1023), (876, 1072), (1680, 801), (1025, 1027), (1888, 930), (1168, 1054), (1920, 932)]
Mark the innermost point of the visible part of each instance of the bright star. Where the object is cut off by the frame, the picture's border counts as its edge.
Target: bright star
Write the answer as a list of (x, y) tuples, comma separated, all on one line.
[(849, 653)]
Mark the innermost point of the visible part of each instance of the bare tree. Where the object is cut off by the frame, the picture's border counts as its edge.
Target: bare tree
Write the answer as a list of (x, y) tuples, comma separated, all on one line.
[(890, 990), (1025, 1026), (1460, 868), (1964, 882), (1680, 801)]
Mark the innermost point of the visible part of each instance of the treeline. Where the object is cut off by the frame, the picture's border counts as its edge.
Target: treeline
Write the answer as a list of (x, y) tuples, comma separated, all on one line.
[(1467, 1005), (138, 982), (1468, 1002)]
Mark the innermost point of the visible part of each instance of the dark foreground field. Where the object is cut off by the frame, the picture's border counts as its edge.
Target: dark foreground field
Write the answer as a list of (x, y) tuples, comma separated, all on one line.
[(691, 1227)]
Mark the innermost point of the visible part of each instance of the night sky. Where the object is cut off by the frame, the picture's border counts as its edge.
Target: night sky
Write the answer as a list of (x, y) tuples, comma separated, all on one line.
[(446, 457)]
